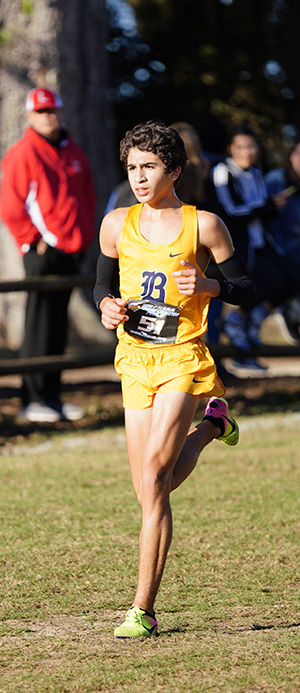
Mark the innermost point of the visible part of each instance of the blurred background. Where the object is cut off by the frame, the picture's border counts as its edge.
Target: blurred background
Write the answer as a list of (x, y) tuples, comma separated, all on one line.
[(212, 63)]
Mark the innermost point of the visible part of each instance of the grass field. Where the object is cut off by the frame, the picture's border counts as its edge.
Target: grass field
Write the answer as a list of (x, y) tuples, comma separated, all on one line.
[(229, 605)]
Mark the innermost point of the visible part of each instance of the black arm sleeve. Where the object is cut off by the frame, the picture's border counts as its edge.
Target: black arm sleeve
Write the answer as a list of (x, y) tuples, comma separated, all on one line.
[(107, 278), (237, 287)]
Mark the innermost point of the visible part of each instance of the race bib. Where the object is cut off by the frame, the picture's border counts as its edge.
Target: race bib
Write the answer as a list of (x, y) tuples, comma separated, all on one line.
[(152, 321)]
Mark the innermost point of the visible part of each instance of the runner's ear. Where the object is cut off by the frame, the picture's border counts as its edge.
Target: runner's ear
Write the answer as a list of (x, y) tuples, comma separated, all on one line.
[(176, 173)]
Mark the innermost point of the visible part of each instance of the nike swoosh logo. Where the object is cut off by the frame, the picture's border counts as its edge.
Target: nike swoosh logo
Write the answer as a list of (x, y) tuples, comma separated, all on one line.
[(175, 254), (197, 381)]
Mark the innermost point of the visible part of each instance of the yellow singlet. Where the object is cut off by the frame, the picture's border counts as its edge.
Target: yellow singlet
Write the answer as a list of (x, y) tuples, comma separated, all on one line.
[(145, 273)]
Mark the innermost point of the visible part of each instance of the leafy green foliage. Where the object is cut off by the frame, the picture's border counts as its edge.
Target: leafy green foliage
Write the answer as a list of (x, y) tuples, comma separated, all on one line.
[(225, 63)]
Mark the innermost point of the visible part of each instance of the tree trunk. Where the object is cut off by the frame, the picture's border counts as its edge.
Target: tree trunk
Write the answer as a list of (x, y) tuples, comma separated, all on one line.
[(59, 44)]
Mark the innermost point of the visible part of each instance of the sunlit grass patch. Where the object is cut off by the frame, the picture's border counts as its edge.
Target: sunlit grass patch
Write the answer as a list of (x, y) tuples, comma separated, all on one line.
[(228, 607)]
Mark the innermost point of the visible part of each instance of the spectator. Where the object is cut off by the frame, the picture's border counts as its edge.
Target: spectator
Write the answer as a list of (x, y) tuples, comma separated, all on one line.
[(192, 189), (240, 198), (284, 231), (121, 196), (48, 204)]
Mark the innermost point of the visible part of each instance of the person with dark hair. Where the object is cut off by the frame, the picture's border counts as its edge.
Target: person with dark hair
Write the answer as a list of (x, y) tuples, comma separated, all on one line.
[(192, 189), (283, 232), (48, 203), (241, 199), (159, 140), (192, 185), (159, 249)]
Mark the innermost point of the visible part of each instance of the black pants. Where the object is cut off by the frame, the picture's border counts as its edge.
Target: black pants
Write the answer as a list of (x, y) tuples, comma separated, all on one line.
[(46, 323)]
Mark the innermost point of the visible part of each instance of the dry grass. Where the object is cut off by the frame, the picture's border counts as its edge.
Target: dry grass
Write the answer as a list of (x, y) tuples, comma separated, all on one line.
[(228, 607)]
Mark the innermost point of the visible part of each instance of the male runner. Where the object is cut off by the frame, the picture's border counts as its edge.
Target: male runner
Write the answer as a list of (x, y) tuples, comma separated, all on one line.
[(161, 248)]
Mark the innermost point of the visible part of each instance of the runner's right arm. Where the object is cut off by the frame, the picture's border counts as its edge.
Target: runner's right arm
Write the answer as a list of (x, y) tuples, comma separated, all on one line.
[(106, 290)]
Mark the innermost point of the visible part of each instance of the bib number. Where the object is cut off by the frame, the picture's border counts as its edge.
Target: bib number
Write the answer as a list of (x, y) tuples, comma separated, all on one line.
[(152, 321)]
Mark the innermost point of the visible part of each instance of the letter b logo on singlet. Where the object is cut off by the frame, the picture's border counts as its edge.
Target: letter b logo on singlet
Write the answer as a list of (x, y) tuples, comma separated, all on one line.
[(154, 286)]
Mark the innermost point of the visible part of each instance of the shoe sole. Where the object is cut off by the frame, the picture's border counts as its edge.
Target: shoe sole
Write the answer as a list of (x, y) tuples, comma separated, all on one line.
[(134, 637), (39, 419), (69, 415), (146, 634), (72, 418)]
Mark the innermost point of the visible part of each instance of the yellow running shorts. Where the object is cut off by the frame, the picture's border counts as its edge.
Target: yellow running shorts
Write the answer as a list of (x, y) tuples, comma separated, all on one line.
[(146, 371)]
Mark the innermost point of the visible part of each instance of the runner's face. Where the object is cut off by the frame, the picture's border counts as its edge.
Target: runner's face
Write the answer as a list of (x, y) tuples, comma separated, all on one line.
[(148, 177), (244, 150), (46, 121)]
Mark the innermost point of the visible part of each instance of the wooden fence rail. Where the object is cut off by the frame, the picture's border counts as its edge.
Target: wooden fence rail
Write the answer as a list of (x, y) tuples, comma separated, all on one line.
[(104, 355), (48, 283)]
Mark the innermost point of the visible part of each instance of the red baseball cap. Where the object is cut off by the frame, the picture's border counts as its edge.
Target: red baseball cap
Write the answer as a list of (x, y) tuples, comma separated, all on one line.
[(42, 98)]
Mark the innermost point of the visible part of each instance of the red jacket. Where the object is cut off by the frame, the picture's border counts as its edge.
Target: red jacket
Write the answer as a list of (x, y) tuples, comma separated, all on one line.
[(48, 191)]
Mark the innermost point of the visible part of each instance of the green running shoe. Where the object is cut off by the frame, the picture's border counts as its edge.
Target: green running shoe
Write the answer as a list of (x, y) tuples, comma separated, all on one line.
[(217, 413), (138, 624)]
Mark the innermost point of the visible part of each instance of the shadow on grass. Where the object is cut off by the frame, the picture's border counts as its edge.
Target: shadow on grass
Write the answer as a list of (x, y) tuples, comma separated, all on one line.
[(174, 631), (257, 626), (185, 628)]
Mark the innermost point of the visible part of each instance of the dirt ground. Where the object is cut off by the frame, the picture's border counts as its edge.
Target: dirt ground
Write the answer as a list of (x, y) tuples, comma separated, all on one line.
[(98, 390)]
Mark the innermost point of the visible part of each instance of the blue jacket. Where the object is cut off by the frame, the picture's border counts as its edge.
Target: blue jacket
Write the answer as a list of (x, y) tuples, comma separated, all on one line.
[(240, 198), (284, 228)]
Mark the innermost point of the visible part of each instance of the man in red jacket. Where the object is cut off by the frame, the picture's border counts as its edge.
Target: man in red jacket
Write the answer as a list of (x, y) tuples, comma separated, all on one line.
[(48, 203)]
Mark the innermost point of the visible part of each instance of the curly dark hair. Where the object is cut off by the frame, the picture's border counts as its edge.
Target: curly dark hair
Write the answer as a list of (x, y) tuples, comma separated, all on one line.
[(154, 136)]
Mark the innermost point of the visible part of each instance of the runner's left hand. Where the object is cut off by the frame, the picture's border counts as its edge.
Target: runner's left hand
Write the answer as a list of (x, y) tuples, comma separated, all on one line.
[(189, 280)]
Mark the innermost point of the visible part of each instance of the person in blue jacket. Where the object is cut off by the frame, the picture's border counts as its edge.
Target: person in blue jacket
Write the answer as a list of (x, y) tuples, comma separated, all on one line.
[(241, 199), (284, 231)]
